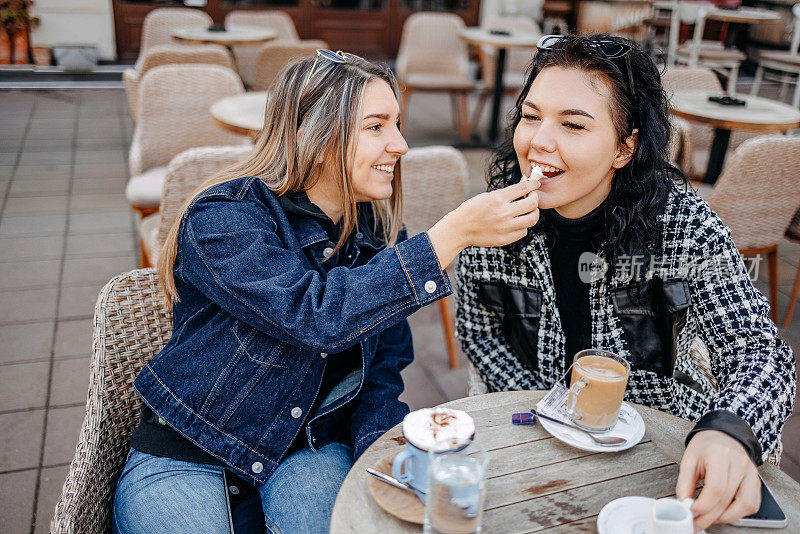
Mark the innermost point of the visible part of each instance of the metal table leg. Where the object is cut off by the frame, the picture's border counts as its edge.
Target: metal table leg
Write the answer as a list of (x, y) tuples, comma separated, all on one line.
[(716, 158), (497, 98)]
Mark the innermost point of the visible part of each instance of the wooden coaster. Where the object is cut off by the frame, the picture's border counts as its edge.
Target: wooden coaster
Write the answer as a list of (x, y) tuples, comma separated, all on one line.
[(400, 503)]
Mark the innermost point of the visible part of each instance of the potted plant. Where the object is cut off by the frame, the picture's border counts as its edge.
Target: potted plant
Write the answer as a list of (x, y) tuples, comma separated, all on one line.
[(15, 26)]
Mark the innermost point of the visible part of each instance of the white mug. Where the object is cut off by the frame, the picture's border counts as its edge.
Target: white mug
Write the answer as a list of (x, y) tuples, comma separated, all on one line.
[(671, 516)]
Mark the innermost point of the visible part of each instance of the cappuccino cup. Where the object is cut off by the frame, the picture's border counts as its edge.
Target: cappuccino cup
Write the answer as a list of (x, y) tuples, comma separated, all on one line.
[(430, 430), (671, 516), (597, 387)]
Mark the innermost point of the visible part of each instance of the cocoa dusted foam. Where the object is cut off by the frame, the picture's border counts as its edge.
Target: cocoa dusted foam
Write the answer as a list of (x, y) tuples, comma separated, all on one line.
[(429, 426)]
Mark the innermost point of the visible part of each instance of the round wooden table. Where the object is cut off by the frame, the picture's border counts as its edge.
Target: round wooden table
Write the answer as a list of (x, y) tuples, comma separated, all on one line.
[(482, 36), (758, 114), (536, 482), (234, 35), (241, 114)]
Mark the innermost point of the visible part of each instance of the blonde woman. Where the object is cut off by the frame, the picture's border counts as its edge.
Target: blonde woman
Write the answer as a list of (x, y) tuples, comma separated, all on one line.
[(291, 279)]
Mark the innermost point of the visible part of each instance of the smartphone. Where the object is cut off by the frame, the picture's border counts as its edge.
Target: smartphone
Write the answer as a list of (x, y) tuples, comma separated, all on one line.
[(769, 515)]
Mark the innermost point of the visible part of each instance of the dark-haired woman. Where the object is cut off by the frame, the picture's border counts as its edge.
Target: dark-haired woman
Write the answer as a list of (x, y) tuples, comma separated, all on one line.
[(626, 260)]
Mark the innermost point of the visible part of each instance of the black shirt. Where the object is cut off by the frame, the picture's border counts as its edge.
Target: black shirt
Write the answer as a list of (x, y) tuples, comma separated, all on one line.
[(154, 436)]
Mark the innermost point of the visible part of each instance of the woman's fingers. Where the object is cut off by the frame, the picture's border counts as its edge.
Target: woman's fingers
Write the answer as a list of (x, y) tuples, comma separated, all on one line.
[(746, 501), (525, 204), (688, 476), (716, 495), (519, 189)]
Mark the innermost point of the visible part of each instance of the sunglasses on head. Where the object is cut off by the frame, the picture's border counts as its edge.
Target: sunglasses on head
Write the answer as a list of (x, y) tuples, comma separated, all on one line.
[(610, 48), (333, 57)]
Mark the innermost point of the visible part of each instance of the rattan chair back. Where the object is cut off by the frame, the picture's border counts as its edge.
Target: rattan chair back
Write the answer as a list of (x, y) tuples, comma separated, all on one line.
[(130, 326), (169, 55), (159, 24), (758, 192), (246, 56), (435, 182), (430, 45), (173, 113), (274, 56)]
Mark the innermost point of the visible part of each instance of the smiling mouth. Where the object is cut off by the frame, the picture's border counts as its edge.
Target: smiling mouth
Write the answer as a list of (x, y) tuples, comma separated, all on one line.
[(388, 169), (548, 171)]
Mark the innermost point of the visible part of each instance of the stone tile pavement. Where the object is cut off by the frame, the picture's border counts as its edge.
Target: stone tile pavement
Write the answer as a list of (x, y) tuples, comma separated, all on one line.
[(65, 229)]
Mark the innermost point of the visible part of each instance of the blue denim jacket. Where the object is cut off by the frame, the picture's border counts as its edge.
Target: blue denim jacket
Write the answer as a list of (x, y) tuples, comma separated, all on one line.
[(258, 315)]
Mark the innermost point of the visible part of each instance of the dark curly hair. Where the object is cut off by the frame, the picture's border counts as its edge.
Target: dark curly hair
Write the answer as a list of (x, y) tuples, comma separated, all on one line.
[(640, 189)]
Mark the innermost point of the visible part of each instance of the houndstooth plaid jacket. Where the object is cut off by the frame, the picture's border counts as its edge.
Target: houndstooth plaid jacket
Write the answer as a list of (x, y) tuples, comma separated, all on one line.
[(746, 368)]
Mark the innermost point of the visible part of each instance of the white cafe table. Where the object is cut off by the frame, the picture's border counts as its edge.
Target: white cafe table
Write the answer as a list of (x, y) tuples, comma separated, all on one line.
[(241, 114), (536, 483), (758, 115), (234, 35)]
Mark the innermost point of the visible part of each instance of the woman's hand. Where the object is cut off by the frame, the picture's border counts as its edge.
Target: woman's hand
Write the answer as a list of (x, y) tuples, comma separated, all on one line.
[(490, 219), (732, 488)]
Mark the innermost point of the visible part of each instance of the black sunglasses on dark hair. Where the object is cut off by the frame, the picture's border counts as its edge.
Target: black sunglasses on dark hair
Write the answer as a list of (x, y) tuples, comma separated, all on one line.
[(610, 48)]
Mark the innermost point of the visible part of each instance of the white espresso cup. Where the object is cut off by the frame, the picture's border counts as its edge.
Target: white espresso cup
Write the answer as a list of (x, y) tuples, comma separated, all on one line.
[(671, 516)]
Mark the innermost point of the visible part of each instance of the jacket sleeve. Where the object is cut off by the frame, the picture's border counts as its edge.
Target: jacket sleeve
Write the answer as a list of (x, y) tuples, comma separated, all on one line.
[(230, 250), (479, 329), (755, 370), (378, 408)]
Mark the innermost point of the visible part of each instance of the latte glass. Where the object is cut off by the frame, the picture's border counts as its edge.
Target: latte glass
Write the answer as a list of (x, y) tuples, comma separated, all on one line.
[(598, 385)]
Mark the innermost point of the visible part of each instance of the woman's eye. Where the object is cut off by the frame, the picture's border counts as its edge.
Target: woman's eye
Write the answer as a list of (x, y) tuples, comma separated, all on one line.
[(529, 117), (374, 127), (573, 126)]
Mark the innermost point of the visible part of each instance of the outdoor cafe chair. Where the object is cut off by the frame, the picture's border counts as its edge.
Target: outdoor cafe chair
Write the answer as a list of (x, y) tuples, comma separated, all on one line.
[(185, 173), (787, 63), (174, 116), (433, 58), (159, 24), (131, 325), (275, 55), (246, 56), (435, 182), (757, 195), (793, 234), (696, 51), (159, 55)]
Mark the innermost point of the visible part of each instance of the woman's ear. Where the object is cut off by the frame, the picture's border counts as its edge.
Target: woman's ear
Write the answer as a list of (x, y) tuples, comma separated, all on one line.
[(626, 149)]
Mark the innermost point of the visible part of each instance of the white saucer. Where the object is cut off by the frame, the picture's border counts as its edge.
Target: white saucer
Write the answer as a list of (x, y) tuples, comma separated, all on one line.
[(629, 426), (627, 515)]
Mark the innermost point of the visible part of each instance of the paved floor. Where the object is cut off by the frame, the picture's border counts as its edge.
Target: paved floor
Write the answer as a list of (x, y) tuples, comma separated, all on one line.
[(65, 229)]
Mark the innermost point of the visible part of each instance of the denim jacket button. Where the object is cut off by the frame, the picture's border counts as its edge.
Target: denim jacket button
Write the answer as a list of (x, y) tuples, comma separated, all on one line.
[(234, 490), (257, 467), (323, 355), (430, 286), (359, 235), (297, 412), (328, 252)]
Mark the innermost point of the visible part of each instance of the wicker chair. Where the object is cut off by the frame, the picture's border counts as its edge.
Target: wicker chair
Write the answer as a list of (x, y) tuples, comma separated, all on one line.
[(159, 55), (433, 58), (160, 23), (517, 61), (787, 63), (793, 233), (757, 195), (185, 173), (130, 326), (434, 183), (173, 116), (246, 56), (274, 56)]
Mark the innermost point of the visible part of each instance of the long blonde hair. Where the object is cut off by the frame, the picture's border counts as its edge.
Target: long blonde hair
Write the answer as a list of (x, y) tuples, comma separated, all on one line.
[(305, 119)]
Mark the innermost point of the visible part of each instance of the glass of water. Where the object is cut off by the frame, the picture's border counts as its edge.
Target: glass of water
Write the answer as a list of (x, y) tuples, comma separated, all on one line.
[(456, 491)]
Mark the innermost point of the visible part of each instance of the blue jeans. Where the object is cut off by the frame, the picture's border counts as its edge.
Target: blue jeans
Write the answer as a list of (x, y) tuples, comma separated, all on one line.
[(156, 494)]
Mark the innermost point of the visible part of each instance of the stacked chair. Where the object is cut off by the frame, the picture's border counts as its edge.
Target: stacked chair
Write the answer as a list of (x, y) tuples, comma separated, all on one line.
[(173, 116), (185, 173), (435, 182), (432, 57), (786, 63)]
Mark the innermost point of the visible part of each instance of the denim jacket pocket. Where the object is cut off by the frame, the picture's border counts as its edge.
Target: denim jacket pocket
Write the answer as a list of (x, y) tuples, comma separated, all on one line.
[(652, 313), (520, 310)]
